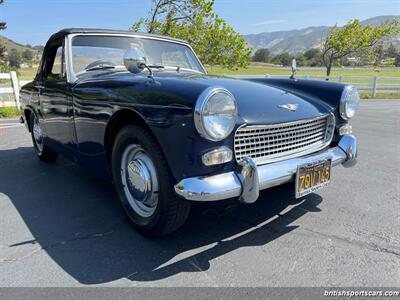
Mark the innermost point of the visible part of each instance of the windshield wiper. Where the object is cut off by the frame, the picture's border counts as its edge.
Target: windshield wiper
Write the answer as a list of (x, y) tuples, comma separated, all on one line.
[(156, 66), (176, 68), (100, 67)]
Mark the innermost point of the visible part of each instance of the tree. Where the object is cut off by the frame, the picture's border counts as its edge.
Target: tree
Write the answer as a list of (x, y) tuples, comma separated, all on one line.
[(283, 58), (312, 57), (14, 58), (261, 55), (354, 38), (214, 41), (301, 60), (27, 55), (312, 53), (392, 51), (397, 60), (379, 54), (3, 26)]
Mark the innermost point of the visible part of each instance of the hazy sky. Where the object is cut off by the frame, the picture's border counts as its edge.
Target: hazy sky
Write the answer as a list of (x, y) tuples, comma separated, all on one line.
[(33, 21)]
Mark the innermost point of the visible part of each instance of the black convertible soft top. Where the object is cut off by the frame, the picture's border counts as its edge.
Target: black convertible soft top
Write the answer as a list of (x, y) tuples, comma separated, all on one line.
[(64, 32)]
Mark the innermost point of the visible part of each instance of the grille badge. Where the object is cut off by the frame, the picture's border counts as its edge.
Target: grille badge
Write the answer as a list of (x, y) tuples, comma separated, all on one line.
[(289, 106)]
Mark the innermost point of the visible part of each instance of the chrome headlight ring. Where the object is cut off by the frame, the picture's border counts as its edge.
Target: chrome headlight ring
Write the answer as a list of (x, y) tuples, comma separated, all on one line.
[(215, 113), (349, 102)]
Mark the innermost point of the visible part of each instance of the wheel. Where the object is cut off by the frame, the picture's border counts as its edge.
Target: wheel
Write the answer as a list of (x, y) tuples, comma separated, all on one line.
[(144, 184), (42, 151)]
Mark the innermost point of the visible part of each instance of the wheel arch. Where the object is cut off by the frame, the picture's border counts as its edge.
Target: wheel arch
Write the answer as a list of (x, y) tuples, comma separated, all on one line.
[(28, 111), (117, 121)]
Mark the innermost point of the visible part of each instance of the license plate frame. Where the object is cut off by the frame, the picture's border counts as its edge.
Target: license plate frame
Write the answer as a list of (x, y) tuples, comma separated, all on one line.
[(306, 174)]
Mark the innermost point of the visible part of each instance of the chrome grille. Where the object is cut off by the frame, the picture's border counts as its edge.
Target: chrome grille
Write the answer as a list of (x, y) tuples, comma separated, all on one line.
[(268, 143)]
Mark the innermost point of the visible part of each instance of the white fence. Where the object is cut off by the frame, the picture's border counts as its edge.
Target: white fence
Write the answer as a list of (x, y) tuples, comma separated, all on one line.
[(366, 84), (10, 87)]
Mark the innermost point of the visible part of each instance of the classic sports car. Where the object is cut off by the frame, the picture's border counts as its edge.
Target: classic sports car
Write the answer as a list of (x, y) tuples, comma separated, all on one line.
[(141, 111)]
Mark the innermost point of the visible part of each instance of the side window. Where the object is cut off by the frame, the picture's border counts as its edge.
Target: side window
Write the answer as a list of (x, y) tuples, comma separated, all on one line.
[(57, 70)]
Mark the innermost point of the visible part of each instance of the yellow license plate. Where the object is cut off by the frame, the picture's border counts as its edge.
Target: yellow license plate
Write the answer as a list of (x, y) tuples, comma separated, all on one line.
[(312, 177)]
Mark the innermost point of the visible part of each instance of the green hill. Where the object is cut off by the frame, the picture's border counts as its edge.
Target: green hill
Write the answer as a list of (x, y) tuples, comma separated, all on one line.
[(10, 44)]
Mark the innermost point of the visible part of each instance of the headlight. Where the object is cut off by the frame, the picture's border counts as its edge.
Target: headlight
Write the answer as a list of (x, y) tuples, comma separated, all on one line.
[(349, 102), (215, 113)]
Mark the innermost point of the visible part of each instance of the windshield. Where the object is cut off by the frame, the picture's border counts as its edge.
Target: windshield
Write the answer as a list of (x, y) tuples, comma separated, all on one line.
[(109, 50)]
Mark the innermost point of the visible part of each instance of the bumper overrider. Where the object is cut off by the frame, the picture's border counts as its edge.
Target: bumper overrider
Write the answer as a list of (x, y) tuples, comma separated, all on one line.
[(247, 183)]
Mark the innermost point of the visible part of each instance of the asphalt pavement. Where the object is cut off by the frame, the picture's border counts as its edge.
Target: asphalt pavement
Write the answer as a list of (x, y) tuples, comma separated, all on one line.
[(62, 226)]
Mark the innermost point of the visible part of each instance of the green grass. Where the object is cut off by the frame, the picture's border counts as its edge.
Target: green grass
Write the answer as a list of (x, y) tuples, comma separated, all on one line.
[(259, 69), (26, 73), (264, 70), (380, 96), (8, 112)]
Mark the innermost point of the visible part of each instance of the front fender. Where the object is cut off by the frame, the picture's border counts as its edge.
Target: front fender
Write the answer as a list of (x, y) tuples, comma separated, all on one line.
[(182, 146)]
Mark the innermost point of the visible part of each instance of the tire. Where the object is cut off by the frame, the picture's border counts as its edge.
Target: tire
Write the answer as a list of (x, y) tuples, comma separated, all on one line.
[(43, 152), (144, 183)]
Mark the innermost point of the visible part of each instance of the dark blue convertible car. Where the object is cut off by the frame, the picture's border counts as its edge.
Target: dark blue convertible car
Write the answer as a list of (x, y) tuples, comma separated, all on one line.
[(141, 111)]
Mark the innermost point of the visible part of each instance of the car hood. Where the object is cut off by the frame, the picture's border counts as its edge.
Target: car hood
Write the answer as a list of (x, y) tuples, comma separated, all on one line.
[(257, 102)]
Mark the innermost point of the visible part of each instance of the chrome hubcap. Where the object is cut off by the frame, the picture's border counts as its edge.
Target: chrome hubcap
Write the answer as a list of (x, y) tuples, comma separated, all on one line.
[(37, 135), (139, 180)]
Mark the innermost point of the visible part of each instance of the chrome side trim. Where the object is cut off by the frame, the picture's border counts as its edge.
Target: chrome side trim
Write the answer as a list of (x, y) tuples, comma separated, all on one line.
[(71, 78), (233, 184)]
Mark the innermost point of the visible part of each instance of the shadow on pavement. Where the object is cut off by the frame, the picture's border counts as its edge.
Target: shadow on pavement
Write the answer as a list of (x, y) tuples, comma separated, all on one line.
[(75, 218)]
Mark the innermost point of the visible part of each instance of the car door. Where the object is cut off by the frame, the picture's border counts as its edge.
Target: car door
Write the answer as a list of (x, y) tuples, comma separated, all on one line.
[(55, 100)]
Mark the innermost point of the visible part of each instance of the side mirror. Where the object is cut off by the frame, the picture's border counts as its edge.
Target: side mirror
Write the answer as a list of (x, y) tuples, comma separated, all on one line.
[(134, 60), (294, 68)]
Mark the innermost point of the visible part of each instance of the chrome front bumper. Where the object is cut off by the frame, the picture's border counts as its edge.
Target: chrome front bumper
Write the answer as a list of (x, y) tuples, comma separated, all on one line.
[(247, 183)]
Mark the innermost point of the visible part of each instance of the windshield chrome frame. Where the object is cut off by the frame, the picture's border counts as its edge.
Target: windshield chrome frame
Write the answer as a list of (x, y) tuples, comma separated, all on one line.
[(72, 77)]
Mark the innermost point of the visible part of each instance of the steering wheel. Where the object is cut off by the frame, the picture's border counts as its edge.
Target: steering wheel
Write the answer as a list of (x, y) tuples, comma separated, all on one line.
[(99, 63)]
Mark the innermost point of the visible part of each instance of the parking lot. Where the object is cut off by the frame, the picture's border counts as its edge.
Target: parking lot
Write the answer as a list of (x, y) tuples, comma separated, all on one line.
[(62, 226)]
